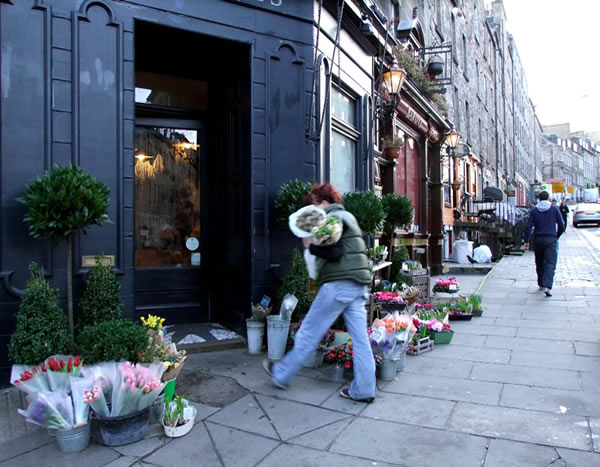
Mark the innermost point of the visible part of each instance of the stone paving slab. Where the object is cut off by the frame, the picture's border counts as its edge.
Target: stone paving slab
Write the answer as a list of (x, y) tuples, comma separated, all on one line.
[(595, 430), (321, 438), (247, 415), (574, 458), (397, 443), (587, 348), (237, 448), (550, 400), (526, 344), (562, 362), (590, 382), (504, 453), (545, 323), (568, 431), (411, 410), (297, 456), (549, 378), (441, 365), (457, 353), (559, 334), (471, 328), (452, 389), (94, 455)]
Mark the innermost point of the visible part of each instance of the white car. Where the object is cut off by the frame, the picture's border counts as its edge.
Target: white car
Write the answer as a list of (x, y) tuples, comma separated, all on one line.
[(586, 213)]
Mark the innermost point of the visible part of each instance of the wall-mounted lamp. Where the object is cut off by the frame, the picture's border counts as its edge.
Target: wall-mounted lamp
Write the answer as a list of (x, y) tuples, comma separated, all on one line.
[(393, 79), (452, 139)]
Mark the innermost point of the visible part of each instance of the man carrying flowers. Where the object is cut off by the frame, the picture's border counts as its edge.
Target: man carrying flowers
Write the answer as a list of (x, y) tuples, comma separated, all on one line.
[(343, 273)]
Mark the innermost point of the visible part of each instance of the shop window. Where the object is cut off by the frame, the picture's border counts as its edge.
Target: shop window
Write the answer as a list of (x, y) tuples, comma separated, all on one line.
[(344, 141)]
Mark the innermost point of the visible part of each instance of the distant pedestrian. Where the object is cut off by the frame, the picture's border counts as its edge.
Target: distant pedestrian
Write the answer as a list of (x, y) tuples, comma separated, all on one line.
[(549, 226), (564, 210), (343, 273)]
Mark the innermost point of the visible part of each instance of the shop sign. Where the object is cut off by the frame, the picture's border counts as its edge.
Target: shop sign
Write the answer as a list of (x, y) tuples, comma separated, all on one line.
[(409, 115), (558, 187), (287, 7), (571, 190)]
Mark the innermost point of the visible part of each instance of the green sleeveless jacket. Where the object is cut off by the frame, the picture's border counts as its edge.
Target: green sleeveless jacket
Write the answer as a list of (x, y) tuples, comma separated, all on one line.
[(353, 265)]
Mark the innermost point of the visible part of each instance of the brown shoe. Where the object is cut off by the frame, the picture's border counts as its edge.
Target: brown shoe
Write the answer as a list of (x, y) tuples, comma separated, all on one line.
[(345, 393)]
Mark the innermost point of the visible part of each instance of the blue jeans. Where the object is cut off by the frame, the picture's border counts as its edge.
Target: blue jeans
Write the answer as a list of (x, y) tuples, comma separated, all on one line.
[(546, 255), (333, 299)]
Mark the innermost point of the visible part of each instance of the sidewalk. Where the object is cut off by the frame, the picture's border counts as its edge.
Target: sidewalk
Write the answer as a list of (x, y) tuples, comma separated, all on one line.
[(517, 387)]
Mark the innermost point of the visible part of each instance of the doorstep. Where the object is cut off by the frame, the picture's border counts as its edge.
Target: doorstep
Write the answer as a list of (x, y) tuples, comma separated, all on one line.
[(467, 268), (203, 337)]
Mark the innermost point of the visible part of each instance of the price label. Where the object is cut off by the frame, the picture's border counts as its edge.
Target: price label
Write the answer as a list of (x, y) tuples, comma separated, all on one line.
[(452, 287)]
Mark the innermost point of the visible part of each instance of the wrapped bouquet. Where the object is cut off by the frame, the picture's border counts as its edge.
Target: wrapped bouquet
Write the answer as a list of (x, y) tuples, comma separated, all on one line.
[(388, 335), (312, 222)]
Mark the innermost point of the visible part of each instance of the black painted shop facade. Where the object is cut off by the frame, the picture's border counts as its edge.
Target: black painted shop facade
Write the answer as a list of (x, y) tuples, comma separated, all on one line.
[(193, 113)]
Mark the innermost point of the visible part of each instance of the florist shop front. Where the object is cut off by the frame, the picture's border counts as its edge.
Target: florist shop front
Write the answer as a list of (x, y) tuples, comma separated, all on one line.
[(181, 110)]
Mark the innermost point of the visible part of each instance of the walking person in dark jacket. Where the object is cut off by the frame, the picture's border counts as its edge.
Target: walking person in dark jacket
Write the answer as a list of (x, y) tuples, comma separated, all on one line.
[(549, 226), (343, 274), (564, 210)]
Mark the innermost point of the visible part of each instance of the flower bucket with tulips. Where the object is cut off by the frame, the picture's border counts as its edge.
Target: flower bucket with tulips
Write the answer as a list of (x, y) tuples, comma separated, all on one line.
[(389, 335)]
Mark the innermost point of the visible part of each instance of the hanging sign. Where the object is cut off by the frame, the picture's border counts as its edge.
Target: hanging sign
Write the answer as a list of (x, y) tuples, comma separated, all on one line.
[(571, 190), (413, 118), (558, 187)]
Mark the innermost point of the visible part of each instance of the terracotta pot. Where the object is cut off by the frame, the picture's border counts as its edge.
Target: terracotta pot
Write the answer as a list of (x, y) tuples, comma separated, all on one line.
[(391, 153)]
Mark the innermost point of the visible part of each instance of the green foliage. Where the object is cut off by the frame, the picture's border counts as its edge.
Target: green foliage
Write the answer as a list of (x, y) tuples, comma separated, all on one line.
[(296, 282), (416, 74), (101, 299), (63, 201), (41, 323), (398, 210), (400, 255), (367, 207), (393, 142), (290, 198), (475, 300), (119, 339)]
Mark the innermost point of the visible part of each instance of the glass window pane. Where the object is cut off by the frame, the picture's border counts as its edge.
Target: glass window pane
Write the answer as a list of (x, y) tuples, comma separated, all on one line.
[(343, 156), (167, 198), (343, 107)]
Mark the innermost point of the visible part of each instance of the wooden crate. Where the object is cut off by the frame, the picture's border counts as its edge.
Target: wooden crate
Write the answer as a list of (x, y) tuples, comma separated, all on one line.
[(424, 345), (423, 284)]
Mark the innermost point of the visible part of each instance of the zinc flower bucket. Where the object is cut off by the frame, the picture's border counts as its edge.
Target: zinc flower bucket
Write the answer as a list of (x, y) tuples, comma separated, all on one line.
[(125, 429), (74, 440), (256, 332), (387, 370), (277, 335)]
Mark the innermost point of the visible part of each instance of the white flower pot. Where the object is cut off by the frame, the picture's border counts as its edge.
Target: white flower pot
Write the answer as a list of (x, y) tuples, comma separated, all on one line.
[(177, 431)]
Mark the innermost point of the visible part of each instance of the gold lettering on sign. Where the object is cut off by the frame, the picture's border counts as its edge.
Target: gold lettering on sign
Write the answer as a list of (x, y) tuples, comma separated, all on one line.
[(413, 117)]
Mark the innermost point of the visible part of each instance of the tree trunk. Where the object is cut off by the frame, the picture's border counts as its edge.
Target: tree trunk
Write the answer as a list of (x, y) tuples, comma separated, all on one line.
[(70, 287)]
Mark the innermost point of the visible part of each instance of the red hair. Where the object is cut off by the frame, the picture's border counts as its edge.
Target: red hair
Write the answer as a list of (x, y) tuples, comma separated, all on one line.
[(325, 192)]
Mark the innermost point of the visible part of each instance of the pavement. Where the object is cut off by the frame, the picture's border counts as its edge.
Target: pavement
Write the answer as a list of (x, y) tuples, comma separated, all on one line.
[(518, 386)]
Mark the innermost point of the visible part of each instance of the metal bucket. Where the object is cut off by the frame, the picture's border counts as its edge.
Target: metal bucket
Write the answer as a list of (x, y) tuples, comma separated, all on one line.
[(126, 429), (74, 440)]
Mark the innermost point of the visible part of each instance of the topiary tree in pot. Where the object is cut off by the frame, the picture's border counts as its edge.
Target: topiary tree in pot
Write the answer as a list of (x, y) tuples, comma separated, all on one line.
[(101, 299), (399, 211), (296, 282), (367, 207), (290, 198), (63, 201), (41, 323)]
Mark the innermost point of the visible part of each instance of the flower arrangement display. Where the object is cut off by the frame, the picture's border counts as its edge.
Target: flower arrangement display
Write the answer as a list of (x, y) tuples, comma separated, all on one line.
[(121, 388), (312, 222), (430, 323), (389, 334), (449, 285), (457, 309), (260, 312), (341, 355), (53, 389), (179, 416), (157, 351)]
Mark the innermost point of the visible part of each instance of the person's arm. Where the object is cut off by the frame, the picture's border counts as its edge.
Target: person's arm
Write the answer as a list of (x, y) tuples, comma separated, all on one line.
[(559, 222), (331, 253), (528, 229)]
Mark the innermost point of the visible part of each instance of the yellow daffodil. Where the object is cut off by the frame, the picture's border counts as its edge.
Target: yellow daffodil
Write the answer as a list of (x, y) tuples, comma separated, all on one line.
[(152, 322)]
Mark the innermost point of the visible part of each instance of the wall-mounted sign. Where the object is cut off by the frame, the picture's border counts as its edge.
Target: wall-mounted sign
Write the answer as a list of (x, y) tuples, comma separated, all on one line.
[(89, 261), (192, 243), (413, 118), (571, 190), (558, 187)]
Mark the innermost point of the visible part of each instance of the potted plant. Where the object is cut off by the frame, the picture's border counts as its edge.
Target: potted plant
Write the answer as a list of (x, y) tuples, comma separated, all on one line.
[(78, 201), (315, 360), (255, 326), (367, 208), (389, 338), (399, 212), (179, 417), (475, 301), (439, 331), (54, 391), (389, 301), (457, 183), (41, 328), (391, 147), (446, 287), (290, 198), (341, 356)]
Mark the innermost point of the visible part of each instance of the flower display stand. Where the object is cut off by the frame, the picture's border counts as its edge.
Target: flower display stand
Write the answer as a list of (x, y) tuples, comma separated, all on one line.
[(442, 297), (442, 337), (477, 313), (423, 345)]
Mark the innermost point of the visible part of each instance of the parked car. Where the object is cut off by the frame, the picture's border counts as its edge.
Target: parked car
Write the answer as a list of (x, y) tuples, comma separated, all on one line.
[(586, 213)]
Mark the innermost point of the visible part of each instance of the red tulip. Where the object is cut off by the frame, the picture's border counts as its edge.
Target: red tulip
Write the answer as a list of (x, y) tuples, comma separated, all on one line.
[(77, 360), (43, 366), (70, 365), (62, 365)]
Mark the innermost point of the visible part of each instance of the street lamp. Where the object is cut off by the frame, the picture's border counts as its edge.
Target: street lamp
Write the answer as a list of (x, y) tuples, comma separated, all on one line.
[(452, 139), (393, 79)]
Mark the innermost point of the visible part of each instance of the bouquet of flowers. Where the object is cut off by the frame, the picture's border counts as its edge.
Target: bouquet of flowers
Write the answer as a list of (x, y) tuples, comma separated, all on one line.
[(312, 222), (121, 388), (341, 355), (388, 335), (449, 285), (52, 390), (157, 351), (429, 322)]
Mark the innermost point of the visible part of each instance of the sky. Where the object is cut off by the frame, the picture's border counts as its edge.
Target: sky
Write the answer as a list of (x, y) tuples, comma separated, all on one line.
[(557, 42)]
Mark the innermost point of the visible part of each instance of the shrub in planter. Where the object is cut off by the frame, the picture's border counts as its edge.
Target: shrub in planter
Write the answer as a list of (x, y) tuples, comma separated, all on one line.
[(398, 210), (367, 207), (101, 299), (61, 202), (400, 256), (115, 340), (290, 198), (41, 323), (296, 282)]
